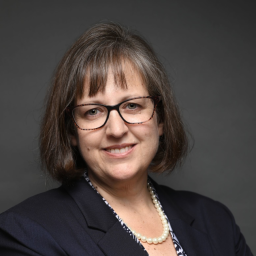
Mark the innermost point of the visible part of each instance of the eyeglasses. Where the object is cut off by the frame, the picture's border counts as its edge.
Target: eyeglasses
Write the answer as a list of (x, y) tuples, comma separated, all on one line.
[(133, 111)]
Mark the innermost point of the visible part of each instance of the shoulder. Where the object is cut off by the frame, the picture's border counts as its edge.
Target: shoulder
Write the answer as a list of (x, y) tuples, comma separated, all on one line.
[(208, 216), (194, 203), (37, 225), (49, 209), (46, 203)]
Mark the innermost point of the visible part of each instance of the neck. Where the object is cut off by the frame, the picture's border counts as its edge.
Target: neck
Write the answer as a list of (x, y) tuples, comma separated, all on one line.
[(123, 192)]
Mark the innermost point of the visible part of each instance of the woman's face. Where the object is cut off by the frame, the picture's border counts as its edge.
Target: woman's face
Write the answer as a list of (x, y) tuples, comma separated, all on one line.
[(141, 140)]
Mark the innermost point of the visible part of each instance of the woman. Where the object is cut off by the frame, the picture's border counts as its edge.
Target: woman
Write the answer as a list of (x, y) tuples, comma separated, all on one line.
[(110, 119)]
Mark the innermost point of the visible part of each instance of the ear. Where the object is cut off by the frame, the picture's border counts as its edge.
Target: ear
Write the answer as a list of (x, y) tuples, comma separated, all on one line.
[(160, 129), (73, 140)]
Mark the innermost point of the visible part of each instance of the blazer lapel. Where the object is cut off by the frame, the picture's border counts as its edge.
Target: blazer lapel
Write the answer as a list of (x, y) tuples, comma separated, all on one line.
[(103, 226), (118, 242), (193, 241)]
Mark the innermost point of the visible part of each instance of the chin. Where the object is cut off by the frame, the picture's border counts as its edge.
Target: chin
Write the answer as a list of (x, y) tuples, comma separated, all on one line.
[(121, 173)]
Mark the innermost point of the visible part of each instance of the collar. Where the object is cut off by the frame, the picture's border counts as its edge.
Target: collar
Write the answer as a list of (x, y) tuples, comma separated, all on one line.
[(100, 218)]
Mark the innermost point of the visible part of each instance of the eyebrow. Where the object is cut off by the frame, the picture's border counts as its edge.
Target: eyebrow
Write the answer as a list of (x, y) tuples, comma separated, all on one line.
[(97, 101)]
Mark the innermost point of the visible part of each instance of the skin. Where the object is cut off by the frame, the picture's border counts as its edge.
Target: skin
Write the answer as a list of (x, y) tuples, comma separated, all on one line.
[(122, 178)]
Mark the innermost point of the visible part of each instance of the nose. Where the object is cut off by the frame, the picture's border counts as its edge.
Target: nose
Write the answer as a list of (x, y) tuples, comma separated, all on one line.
[(115, 125)]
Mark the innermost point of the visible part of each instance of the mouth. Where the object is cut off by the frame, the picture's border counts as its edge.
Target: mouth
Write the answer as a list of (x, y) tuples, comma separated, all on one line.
[(119, 149)]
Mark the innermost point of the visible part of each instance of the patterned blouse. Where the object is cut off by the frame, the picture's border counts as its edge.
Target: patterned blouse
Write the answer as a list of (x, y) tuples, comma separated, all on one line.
[(179, 250)]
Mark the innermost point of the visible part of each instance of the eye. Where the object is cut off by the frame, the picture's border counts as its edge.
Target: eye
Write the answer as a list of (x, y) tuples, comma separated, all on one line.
[(132, 105), (92, 112)]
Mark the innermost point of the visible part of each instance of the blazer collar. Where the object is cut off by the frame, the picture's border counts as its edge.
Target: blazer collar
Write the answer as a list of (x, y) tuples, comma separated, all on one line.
[(95, 211), (118, 242), (99, 216)]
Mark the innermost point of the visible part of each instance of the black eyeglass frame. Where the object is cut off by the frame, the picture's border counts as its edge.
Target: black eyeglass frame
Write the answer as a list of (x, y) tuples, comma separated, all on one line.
[(156, 100)]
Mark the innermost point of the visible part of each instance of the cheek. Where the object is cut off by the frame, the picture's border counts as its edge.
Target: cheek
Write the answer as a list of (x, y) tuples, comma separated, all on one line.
[(150, 137), (87, 142)]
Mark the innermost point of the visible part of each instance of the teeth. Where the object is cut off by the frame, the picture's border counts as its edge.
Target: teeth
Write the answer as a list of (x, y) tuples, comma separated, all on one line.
[(119, 151)]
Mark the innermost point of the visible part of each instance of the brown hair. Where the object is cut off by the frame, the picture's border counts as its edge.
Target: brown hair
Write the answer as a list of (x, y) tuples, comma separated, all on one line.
[(102, 46)]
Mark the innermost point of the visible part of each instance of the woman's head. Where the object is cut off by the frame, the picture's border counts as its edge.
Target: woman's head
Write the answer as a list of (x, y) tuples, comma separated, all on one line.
[(102, 48)]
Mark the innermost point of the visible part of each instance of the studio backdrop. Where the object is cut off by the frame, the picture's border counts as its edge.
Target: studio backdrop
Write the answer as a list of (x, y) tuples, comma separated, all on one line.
[(209, 51)]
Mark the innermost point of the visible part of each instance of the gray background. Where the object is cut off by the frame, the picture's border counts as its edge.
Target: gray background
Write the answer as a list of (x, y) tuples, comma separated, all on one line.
[(209, 49)]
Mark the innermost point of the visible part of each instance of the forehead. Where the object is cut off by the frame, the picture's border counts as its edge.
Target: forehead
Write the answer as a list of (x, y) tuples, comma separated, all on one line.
[(122, 78)]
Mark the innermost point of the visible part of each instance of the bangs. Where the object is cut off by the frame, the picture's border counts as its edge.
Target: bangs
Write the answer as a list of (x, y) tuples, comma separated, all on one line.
[(97, 67)]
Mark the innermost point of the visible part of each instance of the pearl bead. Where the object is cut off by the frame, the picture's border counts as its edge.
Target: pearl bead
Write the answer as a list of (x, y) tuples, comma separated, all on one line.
[(155, 201), (143, 239), (160, 240), (138, 235), (158, 209), (155, 241), (166, 233), (149, 240), (166, 229)]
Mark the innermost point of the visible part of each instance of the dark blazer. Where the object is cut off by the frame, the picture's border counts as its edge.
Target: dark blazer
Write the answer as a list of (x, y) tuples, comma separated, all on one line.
[(75, 221)]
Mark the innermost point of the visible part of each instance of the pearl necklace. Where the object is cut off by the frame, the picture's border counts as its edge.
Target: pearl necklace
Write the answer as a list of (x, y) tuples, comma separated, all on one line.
[(165, 234)]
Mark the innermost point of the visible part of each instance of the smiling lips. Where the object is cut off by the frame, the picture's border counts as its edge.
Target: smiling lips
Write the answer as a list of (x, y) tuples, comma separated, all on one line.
[(119, 149)]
